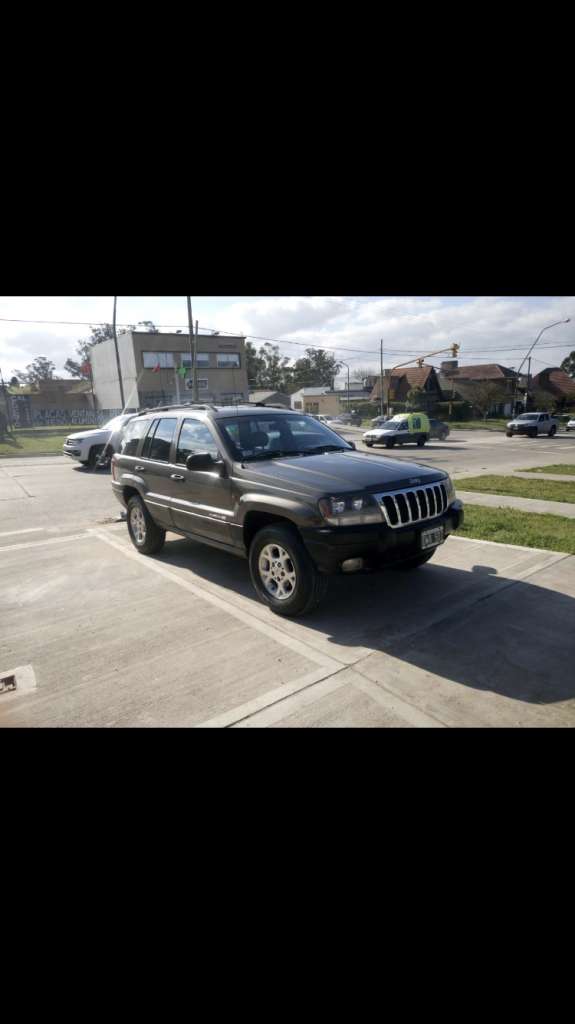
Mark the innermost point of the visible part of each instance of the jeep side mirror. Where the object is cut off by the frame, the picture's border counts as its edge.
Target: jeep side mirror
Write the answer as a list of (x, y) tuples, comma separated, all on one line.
[(352, 445), (199, 460)]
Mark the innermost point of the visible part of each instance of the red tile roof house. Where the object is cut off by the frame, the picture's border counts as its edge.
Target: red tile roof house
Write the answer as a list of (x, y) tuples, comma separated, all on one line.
[(403, 379), (559, 386), (459, 381)]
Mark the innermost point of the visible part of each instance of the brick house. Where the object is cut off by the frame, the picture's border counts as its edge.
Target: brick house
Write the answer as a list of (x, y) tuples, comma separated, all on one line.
[(404, 379), (559, 385)]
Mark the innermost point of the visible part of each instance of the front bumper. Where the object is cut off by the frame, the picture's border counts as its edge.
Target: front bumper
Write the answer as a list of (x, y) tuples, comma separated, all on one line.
[(378, 545), (74, 452)]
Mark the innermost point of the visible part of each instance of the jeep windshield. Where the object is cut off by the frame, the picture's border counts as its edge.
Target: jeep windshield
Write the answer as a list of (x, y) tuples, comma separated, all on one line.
[(264, 436), (528, 416)]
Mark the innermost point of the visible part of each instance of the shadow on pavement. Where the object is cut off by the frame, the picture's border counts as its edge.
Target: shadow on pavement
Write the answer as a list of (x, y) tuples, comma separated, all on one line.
[(476, 627)]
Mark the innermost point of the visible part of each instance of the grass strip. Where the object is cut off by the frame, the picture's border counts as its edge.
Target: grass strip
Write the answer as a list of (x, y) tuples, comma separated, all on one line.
[(543, 490), (38, 440), (559, 469), (512, 526)]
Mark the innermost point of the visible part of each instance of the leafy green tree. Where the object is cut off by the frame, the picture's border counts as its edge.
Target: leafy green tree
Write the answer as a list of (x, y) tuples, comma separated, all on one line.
[(41, 369), (568, 364), (316, 369), (415, 398)]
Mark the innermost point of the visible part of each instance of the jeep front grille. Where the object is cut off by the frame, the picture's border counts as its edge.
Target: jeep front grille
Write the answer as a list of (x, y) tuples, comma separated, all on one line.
[(413, 505)]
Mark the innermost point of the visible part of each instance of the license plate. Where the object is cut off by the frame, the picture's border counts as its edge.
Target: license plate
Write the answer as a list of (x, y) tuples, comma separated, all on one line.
[(431, 538)]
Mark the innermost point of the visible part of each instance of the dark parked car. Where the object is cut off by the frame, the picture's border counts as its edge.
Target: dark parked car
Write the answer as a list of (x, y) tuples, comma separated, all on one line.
[(282, 490), (352, 418), (438, 429)]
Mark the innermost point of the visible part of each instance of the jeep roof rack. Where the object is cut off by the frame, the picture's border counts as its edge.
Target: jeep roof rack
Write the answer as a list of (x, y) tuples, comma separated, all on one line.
[(178, 405)]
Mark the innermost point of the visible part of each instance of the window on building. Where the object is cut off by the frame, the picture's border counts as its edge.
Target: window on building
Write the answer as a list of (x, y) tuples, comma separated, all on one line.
[(195, 437), (202, 357), (228, 359), (162, 440), (202, 383), (165, 360)]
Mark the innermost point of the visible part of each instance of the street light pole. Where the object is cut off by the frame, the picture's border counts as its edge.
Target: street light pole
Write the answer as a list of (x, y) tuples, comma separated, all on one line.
[(548, 328), (345, 364), (117, 353)]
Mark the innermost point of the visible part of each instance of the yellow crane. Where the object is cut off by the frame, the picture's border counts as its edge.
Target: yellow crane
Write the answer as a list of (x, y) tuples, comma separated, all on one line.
[(454, 349)]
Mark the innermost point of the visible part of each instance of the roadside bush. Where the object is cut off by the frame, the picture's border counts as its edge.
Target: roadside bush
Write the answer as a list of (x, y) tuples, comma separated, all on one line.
[(460, 411)]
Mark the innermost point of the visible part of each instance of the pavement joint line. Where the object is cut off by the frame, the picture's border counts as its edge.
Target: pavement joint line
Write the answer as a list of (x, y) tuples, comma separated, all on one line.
[(268, 700), (32, 529), (378, 691), (45, 543), (300, 699), (269, 630)]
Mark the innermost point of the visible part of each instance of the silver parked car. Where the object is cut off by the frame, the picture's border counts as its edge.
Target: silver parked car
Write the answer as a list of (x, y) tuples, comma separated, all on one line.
[(570, 424), (532, 424)]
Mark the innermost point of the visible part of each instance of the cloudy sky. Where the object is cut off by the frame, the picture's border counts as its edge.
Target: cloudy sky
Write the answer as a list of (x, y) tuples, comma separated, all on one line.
[(497, 329)]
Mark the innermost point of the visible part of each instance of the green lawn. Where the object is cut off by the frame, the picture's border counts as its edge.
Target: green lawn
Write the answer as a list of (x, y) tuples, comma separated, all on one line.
[(511, 526), (37, 440), (545, 490), (559, 469), (478, 424)]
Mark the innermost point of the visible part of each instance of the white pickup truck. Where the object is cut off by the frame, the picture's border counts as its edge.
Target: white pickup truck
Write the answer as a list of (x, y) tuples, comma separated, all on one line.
[(532, 424)]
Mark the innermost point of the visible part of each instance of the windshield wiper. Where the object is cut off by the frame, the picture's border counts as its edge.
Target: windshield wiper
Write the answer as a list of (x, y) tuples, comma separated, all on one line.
[(321, 448), (276, 453)]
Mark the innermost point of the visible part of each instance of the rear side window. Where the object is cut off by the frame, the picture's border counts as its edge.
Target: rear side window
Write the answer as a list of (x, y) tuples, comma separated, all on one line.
[(162, 440), (132, 434), (195, 437)]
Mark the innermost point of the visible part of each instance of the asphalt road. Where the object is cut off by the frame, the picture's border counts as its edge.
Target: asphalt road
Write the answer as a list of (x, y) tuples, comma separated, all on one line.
[(471, 452), (99, 635)]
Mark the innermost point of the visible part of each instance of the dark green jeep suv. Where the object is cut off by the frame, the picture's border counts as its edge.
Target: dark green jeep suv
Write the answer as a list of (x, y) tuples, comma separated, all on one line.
[(281, 489)]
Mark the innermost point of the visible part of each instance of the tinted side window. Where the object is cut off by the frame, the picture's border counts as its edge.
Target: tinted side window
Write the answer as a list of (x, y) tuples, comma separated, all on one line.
[(195, 437), (134, 431), (147, 443), (162, 440)]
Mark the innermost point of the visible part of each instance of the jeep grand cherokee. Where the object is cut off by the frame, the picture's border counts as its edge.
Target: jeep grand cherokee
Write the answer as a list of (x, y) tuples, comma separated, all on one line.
[(281, 489)]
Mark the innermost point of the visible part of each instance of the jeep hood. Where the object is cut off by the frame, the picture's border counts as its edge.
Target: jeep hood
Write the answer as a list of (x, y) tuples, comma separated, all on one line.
[(336, 473)]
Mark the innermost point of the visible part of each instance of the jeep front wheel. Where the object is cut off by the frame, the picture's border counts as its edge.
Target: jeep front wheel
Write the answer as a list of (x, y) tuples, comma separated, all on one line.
[(145, 534), (283, 574)]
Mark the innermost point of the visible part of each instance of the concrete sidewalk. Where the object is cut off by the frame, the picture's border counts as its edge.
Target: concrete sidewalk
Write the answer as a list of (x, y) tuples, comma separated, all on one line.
[(101, 636), (565, 477), (554, 508)]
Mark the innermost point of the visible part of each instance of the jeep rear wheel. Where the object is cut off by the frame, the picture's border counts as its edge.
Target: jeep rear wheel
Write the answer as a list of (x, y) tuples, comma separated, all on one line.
[(145, 534), (283, 574)]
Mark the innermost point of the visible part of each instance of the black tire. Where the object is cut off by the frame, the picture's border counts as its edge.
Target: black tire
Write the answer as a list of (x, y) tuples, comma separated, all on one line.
[(532, 432), (553, 431), (509, 433), (443, 437), (369, 444), (150, 538), (310, 586), (390, 442), (95, 452), (421, 440), (414, 563)]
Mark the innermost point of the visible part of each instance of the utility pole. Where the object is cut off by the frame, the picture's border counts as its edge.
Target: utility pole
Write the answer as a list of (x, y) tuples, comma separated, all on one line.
[(381, 375), (528, 383), (454, 349), (117, 354), (191, 341), (195, 392)]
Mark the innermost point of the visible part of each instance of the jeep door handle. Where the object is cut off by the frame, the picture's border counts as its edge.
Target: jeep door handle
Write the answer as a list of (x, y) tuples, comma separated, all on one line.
[(176, 476), (140, 469)]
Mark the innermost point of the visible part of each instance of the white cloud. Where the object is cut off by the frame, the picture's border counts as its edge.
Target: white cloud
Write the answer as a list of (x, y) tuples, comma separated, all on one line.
[(487, 328)]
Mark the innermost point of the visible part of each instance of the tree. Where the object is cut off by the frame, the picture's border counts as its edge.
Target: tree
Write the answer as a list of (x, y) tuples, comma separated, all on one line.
[(568, 364), (149, 326), (14, 382), (41, 369), (274, 372), (362, 372), (254, 365), (415, 398), (484, 394), (316, 369)]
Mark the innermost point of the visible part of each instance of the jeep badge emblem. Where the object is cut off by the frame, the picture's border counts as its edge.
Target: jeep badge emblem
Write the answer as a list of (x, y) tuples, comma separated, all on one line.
[(415, 480)]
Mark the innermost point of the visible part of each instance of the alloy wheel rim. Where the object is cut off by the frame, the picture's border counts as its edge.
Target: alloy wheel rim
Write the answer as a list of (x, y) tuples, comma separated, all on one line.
[(138, 524), (277, 571)]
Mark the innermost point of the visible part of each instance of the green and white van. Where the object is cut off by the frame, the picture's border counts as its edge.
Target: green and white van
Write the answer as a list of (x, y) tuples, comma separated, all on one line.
[(405, 428)]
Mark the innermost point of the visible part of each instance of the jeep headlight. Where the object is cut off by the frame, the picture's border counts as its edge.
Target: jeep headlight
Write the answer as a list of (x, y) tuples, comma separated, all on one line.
[(350, 510), (450, 488)]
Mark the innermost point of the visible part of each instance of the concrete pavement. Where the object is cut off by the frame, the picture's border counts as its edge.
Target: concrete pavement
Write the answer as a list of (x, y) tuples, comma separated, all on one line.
[(99, 635), (552, 508)]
